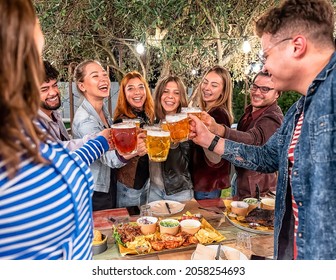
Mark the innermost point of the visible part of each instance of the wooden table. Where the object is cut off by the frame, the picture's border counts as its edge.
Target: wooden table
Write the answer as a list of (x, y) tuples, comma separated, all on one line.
[(262, 245)]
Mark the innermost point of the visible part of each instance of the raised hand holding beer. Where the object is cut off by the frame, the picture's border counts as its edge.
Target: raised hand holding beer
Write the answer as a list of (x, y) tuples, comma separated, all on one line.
[(125, 137)]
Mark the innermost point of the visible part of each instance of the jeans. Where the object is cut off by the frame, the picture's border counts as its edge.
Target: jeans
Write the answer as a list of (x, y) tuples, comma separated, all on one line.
[(131, 197), (159, 194), (207, 195)]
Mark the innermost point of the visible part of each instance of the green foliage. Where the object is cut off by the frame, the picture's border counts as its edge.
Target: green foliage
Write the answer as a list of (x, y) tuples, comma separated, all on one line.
[(287, 99)]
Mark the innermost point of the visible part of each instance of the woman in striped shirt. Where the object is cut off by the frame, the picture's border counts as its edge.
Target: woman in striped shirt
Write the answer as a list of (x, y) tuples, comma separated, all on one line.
[(45, 190)]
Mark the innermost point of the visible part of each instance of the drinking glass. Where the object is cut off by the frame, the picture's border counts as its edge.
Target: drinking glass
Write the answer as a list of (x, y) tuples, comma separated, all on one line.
[(178, 125), (157, 144), (192, 110), (145, 210), (243, 241), (124, 136), (136, 121)]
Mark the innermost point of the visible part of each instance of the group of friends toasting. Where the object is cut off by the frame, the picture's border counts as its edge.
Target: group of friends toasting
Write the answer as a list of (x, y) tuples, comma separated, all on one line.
[(50, 184), (152, 157)]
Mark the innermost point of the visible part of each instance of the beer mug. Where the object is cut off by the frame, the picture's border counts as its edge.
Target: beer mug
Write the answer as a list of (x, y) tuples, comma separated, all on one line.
[(136, 121), (192, 110), (124, 136), (178, 125), (164, 125), (157, 144)]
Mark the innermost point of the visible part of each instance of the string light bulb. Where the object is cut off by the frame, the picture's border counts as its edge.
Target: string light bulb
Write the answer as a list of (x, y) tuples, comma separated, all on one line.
[(140, 48), (246, 46)]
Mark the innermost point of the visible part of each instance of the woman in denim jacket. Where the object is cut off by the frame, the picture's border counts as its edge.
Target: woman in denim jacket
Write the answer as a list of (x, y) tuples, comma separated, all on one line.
[(134, 101), (92, 116), (305, 199), (171, 179)]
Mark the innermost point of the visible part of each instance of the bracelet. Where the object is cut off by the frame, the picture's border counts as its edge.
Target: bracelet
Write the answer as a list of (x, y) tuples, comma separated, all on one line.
[(213, 143)]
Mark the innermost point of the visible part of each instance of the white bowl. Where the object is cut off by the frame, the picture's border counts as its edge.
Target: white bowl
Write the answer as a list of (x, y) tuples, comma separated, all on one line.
[(190, 226), (147, 224)]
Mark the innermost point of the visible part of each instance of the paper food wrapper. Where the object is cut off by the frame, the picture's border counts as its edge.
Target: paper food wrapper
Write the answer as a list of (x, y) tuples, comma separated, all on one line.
[(204, 253), (232, 255)]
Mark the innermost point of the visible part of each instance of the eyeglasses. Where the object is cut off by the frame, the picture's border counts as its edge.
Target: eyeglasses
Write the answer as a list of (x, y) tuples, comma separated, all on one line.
[(263, 56), (263, 90)]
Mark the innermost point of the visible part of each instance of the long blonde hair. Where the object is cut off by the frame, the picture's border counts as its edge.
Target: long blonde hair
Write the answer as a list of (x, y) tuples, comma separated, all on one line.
[(225, 99), (21, 74)]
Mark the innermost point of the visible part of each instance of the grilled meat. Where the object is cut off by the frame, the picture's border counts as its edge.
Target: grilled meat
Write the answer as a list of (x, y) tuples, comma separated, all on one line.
[(261, 216)]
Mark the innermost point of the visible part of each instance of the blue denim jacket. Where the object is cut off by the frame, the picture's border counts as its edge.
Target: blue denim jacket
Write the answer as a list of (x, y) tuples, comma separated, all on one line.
[(86, 121), (313, 173)]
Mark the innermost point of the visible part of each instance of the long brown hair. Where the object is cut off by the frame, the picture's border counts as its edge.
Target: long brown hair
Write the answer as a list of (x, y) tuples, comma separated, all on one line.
[(225, 99), (21, 74), (160, 114), (123, 107)]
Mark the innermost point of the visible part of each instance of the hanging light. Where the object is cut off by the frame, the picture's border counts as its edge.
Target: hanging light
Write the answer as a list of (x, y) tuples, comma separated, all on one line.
[(246, 46), (194, 72), (256, 67), (140, 48)]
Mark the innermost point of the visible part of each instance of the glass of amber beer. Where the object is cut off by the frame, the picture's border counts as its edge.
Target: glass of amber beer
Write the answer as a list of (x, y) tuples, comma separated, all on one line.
[(124, 136), (192, 110), (157, 144), (178, 125)]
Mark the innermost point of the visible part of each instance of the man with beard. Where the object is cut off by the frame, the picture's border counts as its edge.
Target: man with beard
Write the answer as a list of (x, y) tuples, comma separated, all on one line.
[(259, 122), (49, 117)]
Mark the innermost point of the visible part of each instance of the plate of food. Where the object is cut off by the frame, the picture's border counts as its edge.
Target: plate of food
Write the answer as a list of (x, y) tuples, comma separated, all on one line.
[(166, 207), (209, 253), (256, 221), (131, 240)]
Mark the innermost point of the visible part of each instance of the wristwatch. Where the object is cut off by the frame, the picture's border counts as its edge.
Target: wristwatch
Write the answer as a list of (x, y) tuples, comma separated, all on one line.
[(213, 143)]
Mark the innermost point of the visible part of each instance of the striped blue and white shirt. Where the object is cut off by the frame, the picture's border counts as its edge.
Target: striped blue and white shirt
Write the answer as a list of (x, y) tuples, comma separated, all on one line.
[(45, 210)]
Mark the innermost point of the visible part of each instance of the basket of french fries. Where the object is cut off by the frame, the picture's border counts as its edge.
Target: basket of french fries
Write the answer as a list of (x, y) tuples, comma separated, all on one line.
[(130, 239)]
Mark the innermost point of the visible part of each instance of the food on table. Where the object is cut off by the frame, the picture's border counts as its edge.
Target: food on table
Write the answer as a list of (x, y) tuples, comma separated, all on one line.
[(261, 216), (147, 224), (124, 233), (268, 203), (190, 226), (252, 202), (239, 208), (159, 240), (97, 235), (170, 226)]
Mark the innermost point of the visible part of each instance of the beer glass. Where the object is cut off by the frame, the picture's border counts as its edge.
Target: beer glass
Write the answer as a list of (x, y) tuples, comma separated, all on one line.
[(192, 110), (124, 136), (136, 121), (164, 125), (178, 125), (157, 144)]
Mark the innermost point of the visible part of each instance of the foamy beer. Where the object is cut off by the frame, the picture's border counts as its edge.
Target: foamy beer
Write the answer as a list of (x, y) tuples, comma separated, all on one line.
[(136, 121), (192, 110), (157, 144), (124, 136), (178, 125)]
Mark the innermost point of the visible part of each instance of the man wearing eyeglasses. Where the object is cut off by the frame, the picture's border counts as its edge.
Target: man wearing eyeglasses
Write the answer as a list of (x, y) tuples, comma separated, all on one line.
[(259, 122), (299, 54)]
